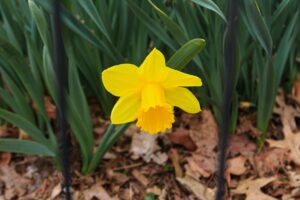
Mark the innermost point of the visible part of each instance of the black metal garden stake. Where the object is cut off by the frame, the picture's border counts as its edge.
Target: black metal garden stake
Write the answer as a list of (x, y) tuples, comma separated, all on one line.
[(60, 86), (230, 53)]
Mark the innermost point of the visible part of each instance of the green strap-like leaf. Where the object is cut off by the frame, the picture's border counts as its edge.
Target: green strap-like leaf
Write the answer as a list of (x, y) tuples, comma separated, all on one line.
[(91, 10), (25, 125), (13, 33), (19, 65), (21, 104), (49, 74), (209, 4), (24, 146), (79, 101), (151, 24), (258, 26), (41, 23), (284, 47), (186, 53), (78, 113), (79, 28), (281, 7), (174, 29), (107, 141)]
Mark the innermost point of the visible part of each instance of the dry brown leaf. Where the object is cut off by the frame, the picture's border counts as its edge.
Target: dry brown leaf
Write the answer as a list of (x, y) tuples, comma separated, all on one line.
[(205, 135), (76, 195), (294, 178), (7, 131), (23, 135), (291, 142), (295, 192), (10, 194), (236, 166), (198, 189), (56, 191), (160, 158), (109, 156), (131, 131), (96, 191), (194, 170), (287, 113), (4, 131), (205, 132), (241, 145), (100, 130), (155, 190), (270, 160), (15, 184), (190, 120), (175, 161), (125, 194), (204, 165), (137, 190), (50, 108), (182, 137), (252, 188), (287, 197), (163, 195), (42, 188), (296, 88), (246, 125), (278, 188), (140, 177), (117, 177), (5, 158), (143, 145)]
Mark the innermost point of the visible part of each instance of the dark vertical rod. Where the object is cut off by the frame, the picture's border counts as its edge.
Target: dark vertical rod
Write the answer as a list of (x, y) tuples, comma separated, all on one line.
[(230, 53), (60, 86)]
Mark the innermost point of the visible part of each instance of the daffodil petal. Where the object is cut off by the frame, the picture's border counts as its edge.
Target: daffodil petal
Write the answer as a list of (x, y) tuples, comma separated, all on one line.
[(121, 79), (154, 66), (183, 98), (126, 109), (177, 78)]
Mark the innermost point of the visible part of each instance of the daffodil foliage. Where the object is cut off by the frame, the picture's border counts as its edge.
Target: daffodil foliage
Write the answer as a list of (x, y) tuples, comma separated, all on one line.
[(150, 92)]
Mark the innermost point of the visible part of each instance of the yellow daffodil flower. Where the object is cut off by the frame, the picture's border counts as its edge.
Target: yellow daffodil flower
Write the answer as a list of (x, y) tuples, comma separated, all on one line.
[(148, 93)]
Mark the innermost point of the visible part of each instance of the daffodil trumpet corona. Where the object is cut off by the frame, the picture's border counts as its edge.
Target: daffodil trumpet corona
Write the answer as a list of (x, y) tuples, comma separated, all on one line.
[(150, 92)]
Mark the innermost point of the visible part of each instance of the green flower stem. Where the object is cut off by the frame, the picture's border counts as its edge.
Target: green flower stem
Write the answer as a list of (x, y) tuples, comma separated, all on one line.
[(107, 141)]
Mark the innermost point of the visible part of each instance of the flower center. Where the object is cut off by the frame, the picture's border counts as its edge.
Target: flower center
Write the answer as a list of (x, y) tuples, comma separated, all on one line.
[(155, 114), (156, 119), (152, 95)]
